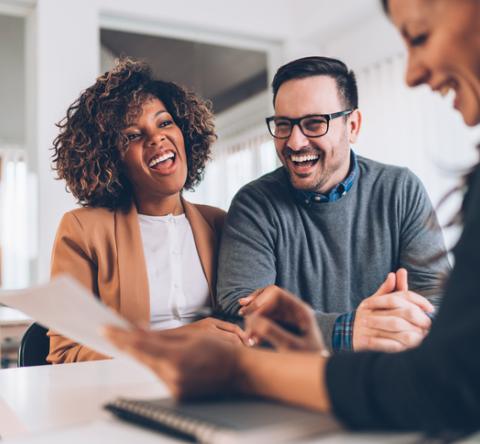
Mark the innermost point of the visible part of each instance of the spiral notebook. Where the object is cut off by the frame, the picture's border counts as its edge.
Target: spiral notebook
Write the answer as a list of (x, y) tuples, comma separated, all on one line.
[(225, 421)]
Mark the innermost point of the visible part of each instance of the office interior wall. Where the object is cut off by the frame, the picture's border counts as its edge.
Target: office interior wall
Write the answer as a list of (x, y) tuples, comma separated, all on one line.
[(63, 56)]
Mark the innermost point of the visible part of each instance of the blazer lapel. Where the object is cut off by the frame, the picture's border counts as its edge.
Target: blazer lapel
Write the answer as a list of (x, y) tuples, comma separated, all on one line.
[(204, 237), (134, 291)]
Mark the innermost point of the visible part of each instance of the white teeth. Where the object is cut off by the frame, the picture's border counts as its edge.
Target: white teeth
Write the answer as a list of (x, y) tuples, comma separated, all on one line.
[(156, 160), (447, 87), (304, 158), (444, 90)]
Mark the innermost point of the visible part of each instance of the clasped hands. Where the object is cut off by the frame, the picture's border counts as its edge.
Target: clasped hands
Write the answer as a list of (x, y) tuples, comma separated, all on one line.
[(391, 320)]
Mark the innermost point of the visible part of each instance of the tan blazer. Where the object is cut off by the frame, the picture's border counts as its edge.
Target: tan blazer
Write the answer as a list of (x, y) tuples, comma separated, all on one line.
[(103, 250)]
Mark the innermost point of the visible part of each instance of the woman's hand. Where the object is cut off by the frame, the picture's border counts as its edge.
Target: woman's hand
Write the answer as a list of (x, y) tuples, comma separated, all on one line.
[(195, 364), (280, 318), (225, 330), (191, 363)]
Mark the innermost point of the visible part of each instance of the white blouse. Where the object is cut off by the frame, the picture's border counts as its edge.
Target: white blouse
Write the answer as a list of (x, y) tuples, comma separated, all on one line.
[(177, 283)]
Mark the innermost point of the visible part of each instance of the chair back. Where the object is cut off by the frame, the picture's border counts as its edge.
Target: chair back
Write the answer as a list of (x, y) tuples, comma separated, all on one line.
[(34, 346)]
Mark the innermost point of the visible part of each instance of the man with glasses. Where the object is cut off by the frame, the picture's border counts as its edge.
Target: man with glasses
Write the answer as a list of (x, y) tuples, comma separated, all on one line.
[(356, 239)]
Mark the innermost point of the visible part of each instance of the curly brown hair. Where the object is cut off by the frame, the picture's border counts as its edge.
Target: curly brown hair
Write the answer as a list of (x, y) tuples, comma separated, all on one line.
[(89, 151)]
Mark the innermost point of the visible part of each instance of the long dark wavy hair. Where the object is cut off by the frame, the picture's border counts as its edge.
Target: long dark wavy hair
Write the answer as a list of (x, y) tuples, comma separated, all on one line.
[(88, 153)]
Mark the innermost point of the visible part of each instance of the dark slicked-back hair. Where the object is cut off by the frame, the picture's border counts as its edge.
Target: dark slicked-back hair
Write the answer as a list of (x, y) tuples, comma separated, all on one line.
[(88, 153), (320, 66)]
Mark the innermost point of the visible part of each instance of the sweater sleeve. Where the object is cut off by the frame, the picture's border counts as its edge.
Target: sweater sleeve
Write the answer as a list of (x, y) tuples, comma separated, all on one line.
[(435, 387), (71, 255), (247, 252), (422, 248)]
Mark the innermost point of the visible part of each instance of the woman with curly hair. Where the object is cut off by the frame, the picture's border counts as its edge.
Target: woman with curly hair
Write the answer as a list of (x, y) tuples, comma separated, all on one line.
[(127, 148)]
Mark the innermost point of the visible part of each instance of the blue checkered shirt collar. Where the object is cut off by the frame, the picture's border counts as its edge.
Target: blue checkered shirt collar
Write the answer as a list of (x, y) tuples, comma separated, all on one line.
[(337, 192)]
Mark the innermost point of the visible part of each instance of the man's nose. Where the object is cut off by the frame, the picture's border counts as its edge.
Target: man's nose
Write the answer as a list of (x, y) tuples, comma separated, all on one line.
[(297, 139)]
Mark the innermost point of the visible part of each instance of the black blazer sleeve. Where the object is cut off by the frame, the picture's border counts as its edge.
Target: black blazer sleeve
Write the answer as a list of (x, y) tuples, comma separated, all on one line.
[(435, 387)]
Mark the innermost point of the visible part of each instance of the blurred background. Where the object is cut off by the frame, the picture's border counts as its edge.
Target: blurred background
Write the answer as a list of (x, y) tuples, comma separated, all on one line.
[(50, 50)]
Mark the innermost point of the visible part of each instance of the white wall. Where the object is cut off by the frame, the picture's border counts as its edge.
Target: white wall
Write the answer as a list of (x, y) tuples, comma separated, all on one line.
[(63, 54)]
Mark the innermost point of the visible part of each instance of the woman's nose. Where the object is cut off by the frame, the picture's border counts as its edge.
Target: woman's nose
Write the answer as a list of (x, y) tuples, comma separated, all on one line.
[(156, 138), (417, 73)]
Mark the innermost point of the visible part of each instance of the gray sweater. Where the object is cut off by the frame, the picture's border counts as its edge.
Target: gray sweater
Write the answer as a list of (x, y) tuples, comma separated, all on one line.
[(331, 254)]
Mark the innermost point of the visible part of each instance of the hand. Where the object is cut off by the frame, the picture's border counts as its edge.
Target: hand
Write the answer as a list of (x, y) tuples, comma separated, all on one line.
[(269, 308), (192, 363), (393, 319), (225, 330)]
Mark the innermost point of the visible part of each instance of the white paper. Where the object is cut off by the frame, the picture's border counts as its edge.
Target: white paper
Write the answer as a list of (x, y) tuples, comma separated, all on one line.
[(66, 307)]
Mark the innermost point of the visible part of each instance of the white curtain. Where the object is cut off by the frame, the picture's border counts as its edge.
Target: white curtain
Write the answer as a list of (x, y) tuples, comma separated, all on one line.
[(234, 163), (414, 128), (15, 218)]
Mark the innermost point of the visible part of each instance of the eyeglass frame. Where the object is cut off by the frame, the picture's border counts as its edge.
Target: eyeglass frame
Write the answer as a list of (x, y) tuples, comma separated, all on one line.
[(297, 121)]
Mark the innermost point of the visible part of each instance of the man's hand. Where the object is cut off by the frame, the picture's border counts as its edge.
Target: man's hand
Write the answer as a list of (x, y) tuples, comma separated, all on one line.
[(191, 363), (278, 317), (393, 319), (226, 331)]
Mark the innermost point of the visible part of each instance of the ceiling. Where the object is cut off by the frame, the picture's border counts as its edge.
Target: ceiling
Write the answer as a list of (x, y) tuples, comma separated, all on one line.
[(222, 74)]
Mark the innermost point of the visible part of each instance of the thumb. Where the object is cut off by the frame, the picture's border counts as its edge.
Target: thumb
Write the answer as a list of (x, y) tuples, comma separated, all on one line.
[(388, 285), (402, 279), (252, 296)]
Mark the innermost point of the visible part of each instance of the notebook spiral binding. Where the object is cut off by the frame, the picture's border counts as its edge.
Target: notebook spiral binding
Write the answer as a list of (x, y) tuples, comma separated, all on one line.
[(199, 430)]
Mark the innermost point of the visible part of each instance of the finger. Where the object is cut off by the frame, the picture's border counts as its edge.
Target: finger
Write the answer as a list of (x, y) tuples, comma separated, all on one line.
[(228, 326), (408, 339), (280, 305), (388, 285), (261, 328), (233, 329), (247, 299), (251, 302), (396, 300), (391, 324), (422, 302), (412, 314), (231, 338), (380, 344), (402, 279)]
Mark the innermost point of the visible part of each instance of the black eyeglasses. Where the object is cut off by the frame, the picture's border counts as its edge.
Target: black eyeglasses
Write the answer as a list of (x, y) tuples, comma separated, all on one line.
[(313, 125)]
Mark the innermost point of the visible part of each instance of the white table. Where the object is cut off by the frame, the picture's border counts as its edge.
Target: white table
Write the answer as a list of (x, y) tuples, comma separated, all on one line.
[(63, 403)]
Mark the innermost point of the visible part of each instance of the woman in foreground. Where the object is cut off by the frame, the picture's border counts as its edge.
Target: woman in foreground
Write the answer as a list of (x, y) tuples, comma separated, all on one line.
[(435, 387), (128, 147)]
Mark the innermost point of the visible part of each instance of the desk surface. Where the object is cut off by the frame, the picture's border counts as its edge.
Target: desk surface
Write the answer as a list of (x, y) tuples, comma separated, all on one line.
[(64, 403), (49, 397)]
